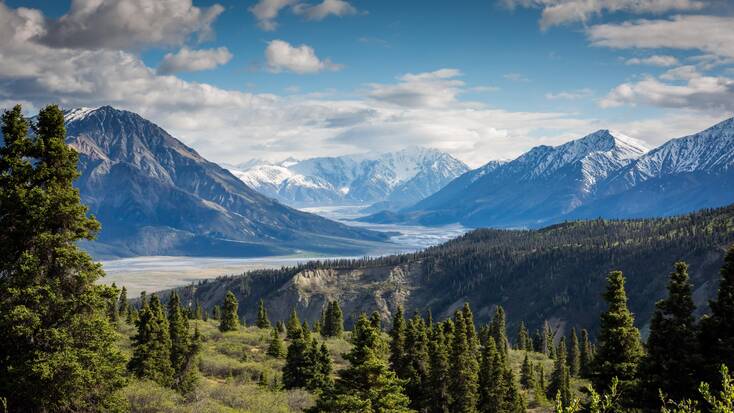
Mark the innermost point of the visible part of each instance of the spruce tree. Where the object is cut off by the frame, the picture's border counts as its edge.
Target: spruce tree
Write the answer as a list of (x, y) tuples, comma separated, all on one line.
[(58, 349), (417, 363), (300, 366), (586, 355), (262, 316), (151, 357), (464, 380), (574, 355), (293, 327), (276, 348), (334, 321), (499, 331), (367, 384), (397, 344), (122, 306), (438, 380), (527, 374), (184, 349), (375, 320), (560, 378), (717, 337), (619, 350), (524, 342), (672, 347), (324, 368), (229, 321), (492, 385), (471, 333), (217, 312)]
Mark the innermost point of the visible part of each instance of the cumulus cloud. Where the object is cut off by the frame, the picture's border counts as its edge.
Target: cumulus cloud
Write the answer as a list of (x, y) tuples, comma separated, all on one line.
[(431, 89), (570, 94), (130, 24), (188, 60), (683, 87), (711, 34), (281, 56), (266, 11), (557, 12), (654, 60)]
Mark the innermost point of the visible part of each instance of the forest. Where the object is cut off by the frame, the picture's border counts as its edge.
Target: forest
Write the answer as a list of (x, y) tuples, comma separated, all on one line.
[(71, 344)]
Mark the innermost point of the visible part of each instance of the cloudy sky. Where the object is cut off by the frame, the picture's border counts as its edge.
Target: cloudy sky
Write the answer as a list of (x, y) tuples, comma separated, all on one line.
[(276, 78)]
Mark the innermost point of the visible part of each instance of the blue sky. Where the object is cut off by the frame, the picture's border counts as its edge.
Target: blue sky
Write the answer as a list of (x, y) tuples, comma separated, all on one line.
[(480, 79)]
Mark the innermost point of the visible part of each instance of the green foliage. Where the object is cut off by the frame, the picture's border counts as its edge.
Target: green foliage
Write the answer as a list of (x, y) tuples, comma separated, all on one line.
[(717, 335), (438, 380), (293, 327), (397, 344), (586, 354), (619, 350), (333, 320), (672, 359), (276, 348), (262, 316), (57, 352), (560, 383), (152, 345), (524, 342), (184, 349), (416, 363), (574, 355), (527, 374), (498, 328), (463, 382), (229, 321)]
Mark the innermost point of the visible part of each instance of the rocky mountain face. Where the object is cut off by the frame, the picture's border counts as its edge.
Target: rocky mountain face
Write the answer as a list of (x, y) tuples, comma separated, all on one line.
[(556, 273), (389, 180), (603, 174), (156, 196)]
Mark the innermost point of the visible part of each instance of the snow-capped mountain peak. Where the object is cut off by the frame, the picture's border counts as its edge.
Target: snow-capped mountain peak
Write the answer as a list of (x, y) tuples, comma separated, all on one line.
[(75, 114)]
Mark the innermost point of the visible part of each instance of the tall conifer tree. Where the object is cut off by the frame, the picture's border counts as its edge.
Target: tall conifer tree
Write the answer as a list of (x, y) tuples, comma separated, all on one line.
[(464, 379), (151, 357), (438, 380), (574, 355), (230, 321), (717, 338), (262, 316)]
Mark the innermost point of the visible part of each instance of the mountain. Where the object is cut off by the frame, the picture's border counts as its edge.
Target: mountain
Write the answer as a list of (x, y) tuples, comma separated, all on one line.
[(156, 196), (388, 180), (556, 273), (540, 185)]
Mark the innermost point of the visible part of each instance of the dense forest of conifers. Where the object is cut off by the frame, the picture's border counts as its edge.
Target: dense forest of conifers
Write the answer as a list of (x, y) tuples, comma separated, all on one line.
[(556, 273)]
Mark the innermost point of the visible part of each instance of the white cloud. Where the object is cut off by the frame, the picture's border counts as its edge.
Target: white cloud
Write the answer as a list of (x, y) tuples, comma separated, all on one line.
[(432, 89), (188, 60), (654, 60), (557, 12), (682, 87), (130, 24), (570, 94), (266, 11), (711, 34), (281, 56), (324, 9)]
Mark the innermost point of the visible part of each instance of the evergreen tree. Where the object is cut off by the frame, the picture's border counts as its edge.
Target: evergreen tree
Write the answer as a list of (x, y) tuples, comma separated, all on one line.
[(416, 361), (293, 327), (276, 348), (216, 313), (57, 352), (122, 306), (397, 344), (672, 348), (546, 346), (438, 389), (367, 385), (560, 383), (472, 340), (620, 350), (464, 380), (717, 337), (181, 345), (229, 321), (586, 354), (375, 320), (280, 326), (527, 374), (300, 366), (151, 357), (334, 320), (574, 355), (262, 316), (113, 310), (524, 342), (324, 368), (499, 331), (198, 311), (492, 385)]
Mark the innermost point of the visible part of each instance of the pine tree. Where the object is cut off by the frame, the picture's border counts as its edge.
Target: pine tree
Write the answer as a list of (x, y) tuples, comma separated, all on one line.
[(334, 320), (586, 355), (375, 320), (672, 347), (299, 369), (184, 349), (499, 331), (198, 311), (324, 367), (560, 383), (230, 321), (416, 363), (113, 310), (464, 379), (123, 305), (48, 288), (492, 385), (216, 313), (293, 327), (546, 346), (619, 350), (524, 342), (574, 355), (527, 374), (717, 335), (397, 344), (276, 348), (151, 357), (262, 316), (438, 389), (367, 385), (471, 333)]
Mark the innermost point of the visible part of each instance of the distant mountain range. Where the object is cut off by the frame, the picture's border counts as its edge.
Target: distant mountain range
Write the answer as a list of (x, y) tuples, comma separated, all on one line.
[(604, 174), (388, 180), (156, 196)]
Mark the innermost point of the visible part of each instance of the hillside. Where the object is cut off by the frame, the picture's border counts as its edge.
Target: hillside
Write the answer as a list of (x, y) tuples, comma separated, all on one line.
[(156, 196), (556, 273)]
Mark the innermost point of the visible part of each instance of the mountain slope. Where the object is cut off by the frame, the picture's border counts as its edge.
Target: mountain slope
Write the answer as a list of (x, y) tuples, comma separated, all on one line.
[(391, 180), (556, 273), (540, 185), (156, 196)]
